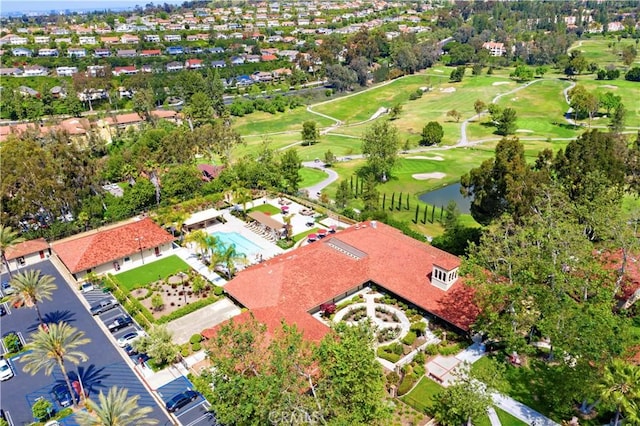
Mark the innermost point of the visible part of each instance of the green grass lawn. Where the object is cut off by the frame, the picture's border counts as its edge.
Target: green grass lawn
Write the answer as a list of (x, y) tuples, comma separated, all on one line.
[(311, 177), (422, 399), (340, 146), (603, 51), (302, 235), (265, 208), (143, 275), (627, 90), (260, 123)]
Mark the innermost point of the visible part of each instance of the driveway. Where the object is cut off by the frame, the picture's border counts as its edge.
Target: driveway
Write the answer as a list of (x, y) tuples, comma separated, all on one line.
[(314, 190), (106, 366), (207, 317)]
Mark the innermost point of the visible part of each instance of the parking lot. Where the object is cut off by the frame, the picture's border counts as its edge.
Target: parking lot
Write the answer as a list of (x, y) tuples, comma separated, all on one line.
[(193, 414), (106, 366)]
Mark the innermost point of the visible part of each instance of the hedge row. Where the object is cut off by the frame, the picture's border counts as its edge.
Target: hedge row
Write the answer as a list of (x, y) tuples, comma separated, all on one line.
[(191, 307), (131, 305), (407, 383), (409, 338)]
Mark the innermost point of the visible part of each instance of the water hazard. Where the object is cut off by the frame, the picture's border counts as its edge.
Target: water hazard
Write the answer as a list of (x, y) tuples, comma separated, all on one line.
[(442, 196)]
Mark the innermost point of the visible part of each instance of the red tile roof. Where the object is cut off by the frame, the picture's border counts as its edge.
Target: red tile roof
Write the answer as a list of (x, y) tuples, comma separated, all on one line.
[(289, 286), (97, 248), (27, 247), (631, 280)]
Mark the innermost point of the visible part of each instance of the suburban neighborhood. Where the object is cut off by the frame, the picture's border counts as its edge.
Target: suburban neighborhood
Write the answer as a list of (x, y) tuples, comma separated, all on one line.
[(320, 212)]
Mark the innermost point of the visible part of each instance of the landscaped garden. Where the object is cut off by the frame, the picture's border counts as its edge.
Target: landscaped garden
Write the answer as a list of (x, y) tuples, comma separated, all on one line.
[(162, 291), (153, 271)]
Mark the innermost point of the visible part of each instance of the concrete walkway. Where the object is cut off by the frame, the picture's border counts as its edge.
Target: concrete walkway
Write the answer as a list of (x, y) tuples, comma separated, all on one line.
[(193, 261), (493, 417), (313, 190), (520, 411), (209, 316)]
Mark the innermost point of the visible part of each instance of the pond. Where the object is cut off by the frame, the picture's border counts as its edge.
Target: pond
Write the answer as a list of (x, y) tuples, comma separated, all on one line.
[(442, 196)]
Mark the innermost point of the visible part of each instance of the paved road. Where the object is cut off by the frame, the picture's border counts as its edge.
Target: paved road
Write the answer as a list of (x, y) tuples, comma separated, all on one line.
[(106, 366), (207, 317), (314, 190)]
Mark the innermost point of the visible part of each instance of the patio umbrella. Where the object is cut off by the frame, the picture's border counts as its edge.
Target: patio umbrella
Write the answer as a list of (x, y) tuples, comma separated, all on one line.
[(332, 229), (322, 233), (312, 237), (284, 208)]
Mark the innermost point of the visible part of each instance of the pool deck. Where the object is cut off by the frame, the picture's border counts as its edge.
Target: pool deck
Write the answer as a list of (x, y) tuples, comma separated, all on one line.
[(269, 249)]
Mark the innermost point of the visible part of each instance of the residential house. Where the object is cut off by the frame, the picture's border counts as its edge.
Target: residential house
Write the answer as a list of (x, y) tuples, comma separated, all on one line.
[(112, 249), (18, 40), (66, 71), (293, 288), (25, 254), (218, 64), (147, 68), (95, 70), (152, 52), (126, 53), (237, 60), (35, 71), (63, 40), (28, 91), (613, 27), (243, 81), (41, 39), (152, 38), (252, 59), (129, 39), (102, 52), (193, 64), (48, 52), (13, 72), (262, 76), (174, 66), (129, 70), (172, 37), (175, 50), (268, 58), (281, 72), (76, 52), (209, 172), (216, 50), (85, 40), (495, 49), (110, 40), (22, 51), (58, 92)]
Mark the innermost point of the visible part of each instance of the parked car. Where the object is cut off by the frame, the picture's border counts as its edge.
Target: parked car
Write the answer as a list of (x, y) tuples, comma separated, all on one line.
[(180, 400), (129, 350), (119, 323), (5, 370), (61, 393), (103, 306), (130, 337), (3, 311), (6, 288), (86, 287)]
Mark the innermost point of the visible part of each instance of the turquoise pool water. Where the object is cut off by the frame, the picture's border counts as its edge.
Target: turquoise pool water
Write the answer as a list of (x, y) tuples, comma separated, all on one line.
[(241, 244)]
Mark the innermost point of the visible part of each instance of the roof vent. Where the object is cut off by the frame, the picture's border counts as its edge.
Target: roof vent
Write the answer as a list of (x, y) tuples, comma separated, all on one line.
[(345, 248), (374, 224)]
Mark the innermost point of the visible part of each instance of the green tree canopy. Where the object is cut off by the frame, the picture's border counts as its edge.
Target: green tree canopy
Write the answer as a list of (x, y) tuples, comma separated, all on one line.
[(380, 146)]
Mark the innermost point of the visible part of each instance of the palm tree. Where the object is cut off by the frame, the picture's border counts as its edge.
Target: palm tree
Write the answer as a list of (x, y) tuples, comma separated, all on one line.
[(621, 387), (55, 346), (8, 238), (228, 256), (31, 287), (115, 409), (242, 196), (199, 238)]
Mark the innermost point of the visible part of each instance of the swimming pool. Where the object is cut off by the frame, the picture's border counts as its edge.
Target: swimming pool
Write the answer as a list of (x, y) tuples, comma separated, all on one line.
[(241, 244)]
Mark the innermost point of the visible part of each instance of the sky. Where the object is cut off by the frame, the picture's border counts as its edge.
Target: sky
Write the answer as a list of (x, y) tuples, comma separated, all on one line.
[(10, 6)]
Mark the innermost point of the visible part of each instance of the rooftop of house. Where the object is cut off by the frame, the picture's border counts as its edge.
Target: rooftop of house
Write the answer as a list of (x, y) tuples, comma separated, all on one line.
[(94, 248), (27, 247), (289, 286)]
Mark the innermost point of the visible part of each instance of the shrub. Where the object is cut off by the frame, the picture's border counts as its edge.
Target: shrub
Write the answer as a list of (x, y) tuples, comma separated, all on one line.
[(187, 309), (419, 370), (196, 338), (431, 349), (42, 409), (391, 357), (407, 383), (419, 328), (196, 346), (184, 350), (419, 358), (393, 378), (449, 349), (410, 338)]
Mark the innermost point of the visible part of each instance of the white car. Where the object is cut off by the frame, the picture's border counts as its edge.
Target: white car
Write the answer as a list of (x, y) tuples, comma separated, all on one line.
[(5, 370), (86, 287), (130, 337)]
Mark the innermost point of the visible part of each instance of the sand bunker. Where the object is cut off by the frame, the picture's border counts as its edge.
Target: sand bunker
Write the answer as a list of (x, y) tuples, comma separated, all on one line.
[(440, 71), (500, 83), (379, 112), (422, 157), (609, 86), (425, 176), (448, 89), (524, 131)]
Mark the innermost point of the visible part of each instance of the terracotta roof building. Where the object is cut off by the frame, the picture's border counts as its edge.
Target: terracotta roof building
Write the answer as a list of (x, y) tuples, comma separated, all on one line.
[(26, 253), (107, 250), (292, 286)]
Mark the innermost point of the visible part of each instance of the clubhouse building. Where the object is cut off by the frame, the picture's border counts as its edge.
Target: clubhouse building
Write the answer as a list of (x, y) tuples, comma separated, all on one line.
[(293, 286)]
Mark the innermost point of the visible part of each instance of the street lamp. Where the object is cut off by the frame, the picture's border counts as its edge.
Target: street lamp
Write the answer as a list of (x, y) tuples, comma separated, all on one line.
[(139, 240), (183, 288)]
